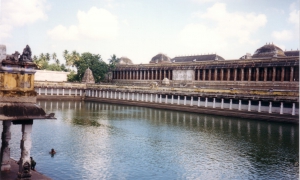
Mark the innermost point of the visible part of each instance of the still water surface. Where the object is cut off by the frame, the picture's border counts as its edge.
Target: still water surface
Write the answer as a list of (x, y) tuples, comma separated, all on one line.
[(105, 141)]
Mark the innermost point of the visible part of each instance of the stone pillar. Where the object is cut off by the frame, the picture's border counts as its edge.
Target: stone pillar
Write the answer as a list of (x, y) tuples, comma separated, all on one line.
[(160, 98), (51, 91), (119, 95), (166, 101), (124, 96), (45, 91), (265, 73), (152, 76), (240, 105), (198, 78), (204, 74), (230, 104), (80, 92), (293, 109), (132, 97), (142, 97), (228, 75), (249, 105), (151, 97), (128, 95), (178, 100), (164, 74), (222, 103), (257, 74), (206, 102), (96, 94), (222, 74), (259, 106), (209, 74), (274, 74), (214, 103), (5, 150), (270, 107), (69, 92), (148, 76), (57, 91), (184, 101), (249, 74), (216, 74), (39, 91), (130, 75), (145, 74), (282, 74), (63, 92), (115, 94), (198, 101), (111, 95), (155, 74), (160, 75), (242, 74), (292, 74), (235, 74), (172, 99), (281, 107), (24, 162), (156, 98), (192, 100), (75, 92)]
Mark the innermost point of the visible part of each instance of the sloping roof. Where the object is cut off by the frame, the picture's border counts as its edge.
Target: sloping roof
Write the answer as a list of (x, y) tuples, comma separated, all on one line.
[(208, 57), (268, 50), (292, 53), (160, 58)]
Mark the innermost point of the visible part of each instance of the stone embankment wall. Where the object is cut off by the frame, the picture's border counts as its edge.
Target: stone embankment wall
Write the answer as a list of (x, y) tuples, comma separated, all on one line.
[(267, 105)]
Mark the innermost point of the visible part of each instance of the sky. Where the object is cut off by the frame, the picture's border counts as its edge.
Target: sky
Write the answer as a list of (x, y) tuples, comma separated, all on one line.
[(141, 29)]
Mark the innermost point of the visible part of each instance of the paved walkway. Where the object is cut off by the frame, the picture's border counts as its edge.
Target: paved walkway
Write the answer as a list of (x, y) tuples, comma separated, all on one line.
[(12, 174)]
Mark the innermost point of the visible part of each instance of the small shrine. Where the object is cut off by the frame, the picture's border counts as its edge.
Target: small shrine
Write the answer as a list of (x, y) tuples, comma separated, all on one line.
[(88, 77), (18, 106)]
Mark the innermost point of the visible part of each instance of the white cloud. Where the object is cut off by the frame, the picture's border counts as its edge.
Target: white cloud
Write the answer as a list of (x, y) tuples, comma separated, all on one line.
[(98, 24), (62, 33), (293, 33), (283, 35), (203, 1), (294, 17), (16, 13), (219, 28)]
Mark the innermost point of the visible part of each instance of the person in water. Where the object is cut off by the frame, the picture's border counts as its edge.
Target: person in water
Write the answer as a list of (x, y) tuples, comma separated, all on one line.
[(52, 151), (33, 163)]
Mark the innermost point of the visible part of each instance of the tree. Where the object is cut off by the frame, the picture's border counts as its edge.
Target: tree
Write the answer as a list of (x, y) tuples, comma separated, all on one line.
[(92, 61), (54, 56), (113, 61), (47, 57)]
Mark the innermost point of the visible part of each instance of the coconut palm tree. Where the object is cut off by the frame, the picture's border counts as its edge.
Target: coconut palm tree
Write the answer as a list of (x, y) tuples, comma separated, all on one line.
[(47, 57), (54, 56)]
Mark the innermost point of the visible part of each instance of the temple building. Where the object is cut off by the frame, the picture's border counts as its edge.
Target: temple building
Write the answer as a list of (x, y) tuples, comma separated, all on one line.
[(268, 65)]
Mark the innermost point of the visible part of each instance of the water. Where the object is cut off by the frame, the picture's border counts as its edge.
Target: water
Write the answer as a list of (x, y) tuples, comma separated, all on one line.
[(105, 141)]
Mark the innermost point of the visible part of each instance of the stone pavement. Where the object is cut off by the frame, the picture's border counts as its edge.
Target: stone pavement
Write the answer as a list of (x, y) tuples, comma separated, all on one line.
[(12, 174)]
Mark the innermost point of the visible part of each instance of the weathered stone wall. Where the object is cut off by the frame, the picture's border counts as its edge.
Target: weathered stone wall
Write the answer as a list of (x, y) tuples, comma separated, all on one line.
[(56, 76)]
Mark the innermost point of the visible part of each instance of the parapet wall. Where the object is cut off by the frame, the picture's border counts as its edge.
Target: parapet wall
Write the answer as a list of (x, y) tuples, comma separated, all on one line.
[(272, 105)]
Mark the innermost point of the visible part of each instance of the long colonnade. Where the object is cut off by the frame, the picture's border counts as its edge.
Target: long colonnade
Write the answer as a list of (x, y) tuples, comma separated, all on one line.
[(290, 73), (259, 106)]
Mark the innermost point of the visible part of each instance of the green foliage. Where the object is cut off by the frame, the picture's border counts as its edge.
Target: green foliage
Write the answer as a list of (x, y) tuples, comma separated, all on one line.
[(113, 62), (72, 77), (94, 62), (42, 62)]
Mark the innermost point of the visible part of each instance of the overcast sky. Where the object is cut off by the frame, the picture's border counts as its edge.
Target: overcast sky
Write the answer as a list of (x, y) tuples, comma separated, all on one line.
[(140, 29)]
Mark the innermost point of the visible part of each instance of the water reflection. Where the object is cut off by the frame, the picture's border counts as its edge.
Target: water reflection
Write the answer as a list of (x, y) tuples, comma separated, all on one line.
[(108, 141)]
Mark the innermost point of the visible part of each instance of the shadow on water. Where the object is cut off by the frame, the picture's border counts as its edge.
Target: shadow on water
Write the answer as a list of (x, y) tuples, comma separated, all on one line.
[(135, 142)]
